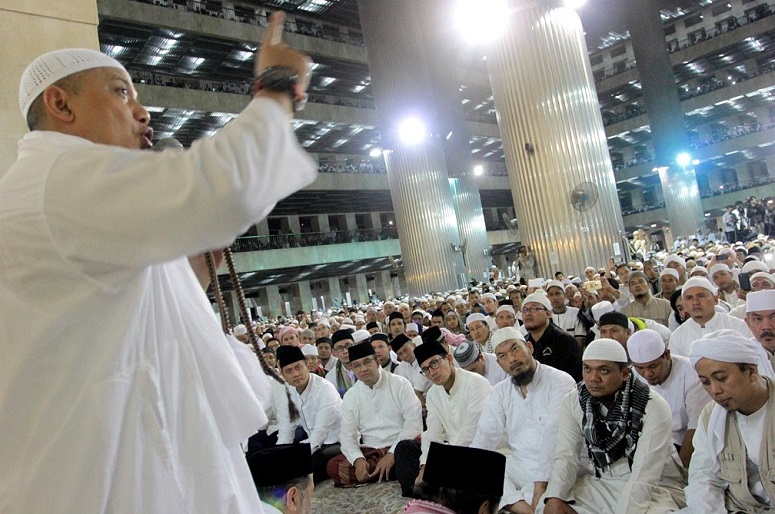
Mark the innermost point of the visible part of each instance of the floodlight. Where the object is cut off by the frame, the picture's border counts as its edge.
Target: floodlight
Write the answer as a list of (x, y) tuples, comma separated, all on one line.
[(683, 159), (411, 131)]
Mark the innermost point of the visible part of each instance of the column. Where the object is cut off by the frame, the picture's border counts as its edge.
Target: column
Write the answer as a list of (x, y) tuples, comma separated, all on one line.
[(335, 292), (262, 227), (323, 223), (349, 219), (386, 290), (473, 232), (554, 141), (361, 288), (668, 132), (376, 221), (417, 173), (305, 295), (275, 305), (294, 225)]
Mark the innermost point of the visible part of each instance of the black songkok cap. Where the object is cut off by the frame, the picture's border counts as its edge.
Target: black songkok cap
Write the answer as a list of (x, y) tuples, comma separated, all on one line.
[(395, 315), (339, 335), (399, 341), (432, 334), (372, 324), (614, 318), (438, 313), (360, 350), (446, 466), (427, 350), (288, 355), (323, 340), (379, 336), (280, 464)]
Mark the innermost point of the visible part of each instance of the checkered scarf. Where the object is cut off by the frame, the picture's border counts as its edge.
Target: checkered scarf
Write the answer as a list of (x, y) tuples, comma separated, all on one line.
[(610, 439)]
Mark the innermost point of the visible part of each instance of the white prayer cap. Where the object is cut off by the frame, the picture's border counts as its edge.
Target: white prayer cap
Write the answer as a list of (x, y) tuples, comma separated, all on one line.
[(601, 308), (725, 346), (698, 282), (506, 308), (716, 268), (388, 303), (506, 334), (765, 275), (590, 268), (239, 330), (645, 346), (54, 66), (476, 316), (459, 301), (538, 297), (417, 340), (324, 322), (755, 266), (674, 258), (760, 301), (554, 283), (511, 288), (669, 271), (412, 327), (700, 269), (359, 317), (360, 335), (309, 349), (605, 350), (491, 296), (451, 297)]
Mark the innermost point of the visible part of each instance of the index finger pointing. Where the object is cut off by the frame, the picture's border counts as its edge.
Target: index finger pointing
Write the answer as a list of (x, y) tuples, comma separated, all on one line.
[(274, 33)]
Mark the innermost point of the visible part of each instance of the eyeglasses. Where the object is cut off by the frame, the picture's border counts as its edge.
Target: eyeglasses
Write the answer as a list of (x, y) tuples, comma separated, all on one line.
[(434, 364), (532, 310), (342, 347)]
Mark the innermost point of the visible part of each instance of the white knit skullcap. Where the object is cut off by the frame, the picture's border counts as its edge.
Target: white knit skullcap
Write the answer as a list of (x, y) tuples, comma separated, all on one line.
[(309, 349), (669, 271), (645, 346), (554, 283), (760, 301), (605, 350), (54, 66), (324, 322), (698, 282), (674, 258), (476, 316), (601, 308), (412, 327), (506, 308), (506, 334), (699, 269), (755, 266), (239, 330), (360, 335), (459, 301), (538, 297), (491, 296), (716, 268), (763, 274)]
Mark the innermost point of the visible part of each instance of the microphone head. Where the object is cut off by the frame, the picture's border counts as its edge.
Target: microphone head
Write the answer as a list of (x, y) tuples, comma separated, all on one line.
[(167, 142)]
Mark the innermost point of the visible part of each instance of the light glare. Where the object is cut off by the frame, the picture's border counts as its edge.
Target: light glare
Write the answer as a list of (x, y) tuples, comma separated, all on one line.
[(574, 4), (411, 131), (375, 152), (683, 159), (478, 170), (481, 21)]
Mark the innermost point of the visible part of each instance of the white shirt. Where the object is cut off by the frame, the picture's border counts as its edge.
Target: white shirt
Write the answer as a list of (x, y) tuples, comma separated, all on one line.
[(453, 416), (319, 415), (331, 376), (492, 370), (752, 430), (569, 321), (684, 393), (411, 372), (528, 422), (383, 415), (111, 354), (331, 364), (690, 331)]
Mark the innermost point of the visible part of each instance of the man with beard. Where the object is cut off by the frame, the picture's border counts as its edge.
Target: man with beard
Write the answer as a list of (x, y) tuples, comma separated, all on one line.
[(645, 305), (552, 345), (523, 410), (674, 378), (731, 470), (454, 404), (625, 427), (471, 358), (566, 318)]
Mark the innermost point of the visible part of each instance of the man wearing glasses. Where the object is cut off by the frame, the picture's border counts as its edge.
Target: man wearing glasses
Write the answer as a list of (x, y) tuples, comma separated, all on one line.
[(381, 409), (523, 410), (551, 345), (454, 404)]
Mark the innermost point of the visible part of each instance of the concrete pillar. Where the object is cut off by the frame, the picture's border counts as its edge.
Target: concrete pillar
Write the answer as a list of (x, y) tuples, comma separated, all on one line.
[(275, 305), (473, 232), (335, 292), (386, 290), (554, 140), (323, 223), (361, 290), (668, 131), (294, 225), (417, 173), (262, 227), (376, 221), (305, 295), (349, 219)]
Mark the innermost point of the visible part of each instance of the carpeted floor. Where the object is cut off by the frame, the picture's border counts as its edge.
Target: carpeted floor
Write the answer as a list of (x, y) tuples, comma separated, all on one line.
[(382, 498)]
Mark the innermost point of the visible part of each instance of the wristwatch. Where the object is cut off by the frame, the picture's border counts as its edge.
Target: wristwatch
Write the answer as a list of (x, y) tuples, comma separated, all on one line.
[(280, 80)]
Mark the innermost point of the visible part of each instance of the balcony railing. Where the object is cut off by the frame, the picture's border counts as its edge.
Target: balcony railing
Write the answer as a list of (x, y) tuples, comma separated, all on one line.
[(763, 11), (733, 133), (280, 241)]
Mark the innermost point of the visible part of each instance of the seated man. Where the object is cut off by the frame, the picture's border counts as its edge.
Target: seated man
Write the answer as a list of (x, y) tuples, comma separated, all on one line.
[(523, 411), (381, 409), (733, 462), (626, 429), (479, 328), (454, 404), (341, 376), (283, 478), (470, 357), (408, 366), (382, 349), (452, 491), (318, 403), (552, 345), (760, 318), (674, 378)]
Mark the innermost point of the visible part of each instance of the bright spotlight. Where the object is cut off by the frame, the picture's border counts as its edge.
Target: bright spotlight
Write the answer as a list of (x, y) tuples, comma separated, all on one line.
[(574, 4), (375, 152), (695, 162), (411, 131), (683, 159), (478, 170), (481, 21)]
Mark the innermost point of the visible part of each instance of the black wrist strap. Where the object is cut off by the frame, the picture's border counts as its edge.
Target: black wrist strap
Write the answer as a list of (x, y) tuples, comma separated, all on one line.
[(279, 79)]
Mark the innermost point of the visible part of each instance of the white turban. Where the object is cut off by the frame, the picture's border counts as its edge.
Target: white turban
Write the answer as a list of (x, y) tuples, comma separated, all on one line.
[(601, 308), (645, 346), (729, 346), (698, 282), (760, 301), (670, 271), (605, 350), (506, 334)]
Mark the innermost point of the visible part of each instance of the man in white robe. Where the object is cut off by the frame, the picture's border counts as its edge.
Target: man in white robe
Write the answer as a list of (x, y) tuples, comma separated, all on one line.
[(118, 390)]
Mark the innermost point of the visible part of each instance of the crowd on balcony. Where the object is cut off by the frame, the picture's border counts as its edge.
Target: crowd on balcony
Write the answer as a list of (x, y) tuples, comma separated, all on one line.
[(731, 133), (762, 11)]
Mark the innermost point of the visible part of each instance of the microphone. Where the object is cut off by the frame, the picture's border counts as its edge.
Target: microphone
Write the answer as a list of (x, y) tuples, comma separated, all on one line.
[(167, 142)]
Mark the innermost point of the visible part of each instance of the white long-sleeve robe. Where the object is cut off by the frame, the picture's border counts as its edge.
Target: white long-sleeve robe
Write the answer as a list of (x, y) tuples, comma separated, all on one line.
[(118, 390)]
